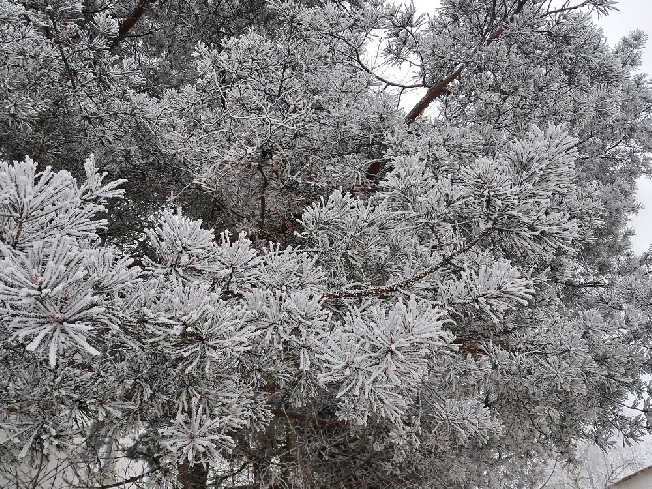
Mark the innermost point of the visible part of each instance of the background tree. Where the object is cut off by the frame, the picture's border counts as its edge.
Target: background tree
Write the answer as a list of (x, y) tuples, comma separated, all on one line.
[(443, 303)]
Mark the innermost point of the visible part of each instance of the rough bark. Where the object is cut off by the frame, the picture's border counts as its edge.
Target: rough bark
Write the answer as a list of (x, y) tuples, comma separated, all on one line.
[(192, 476), (133, 18)]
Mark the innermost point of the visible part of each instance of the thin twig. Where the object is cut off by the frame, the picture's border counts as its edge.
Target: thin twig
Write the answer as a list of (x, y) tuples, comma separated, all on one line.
[(412, 280), (135, 478)]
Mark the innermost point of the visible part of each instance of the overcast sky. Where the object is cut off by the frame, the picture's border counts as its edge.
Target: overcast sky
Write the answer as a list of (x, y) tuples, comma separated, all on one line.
[(631, 15)]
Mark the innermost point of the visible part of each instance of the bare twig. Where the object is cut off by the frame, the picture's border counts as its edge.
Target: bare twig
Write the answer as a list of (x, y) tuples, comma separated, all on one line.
[(412, 280)]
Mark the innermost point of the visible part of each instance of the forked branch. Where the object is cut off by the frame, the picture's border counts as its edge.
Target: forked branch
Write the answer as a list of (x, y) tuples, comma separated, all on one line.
[(437, 90)]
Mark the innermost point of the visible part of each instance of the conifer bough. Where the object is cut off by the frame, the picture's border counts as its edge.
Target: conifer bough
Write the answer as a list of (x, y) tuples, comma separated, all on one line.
[(191, 297)]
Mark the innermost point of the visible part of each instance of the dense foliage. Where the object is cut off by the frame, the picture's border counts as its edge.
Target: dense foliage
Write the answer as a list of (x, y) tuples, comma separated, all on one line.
[(230, 260)]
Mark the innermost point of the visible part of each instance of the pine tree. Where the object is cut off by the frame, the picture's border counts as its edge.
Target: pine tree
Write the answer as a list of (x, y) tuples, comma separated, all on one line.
[(287, 282)]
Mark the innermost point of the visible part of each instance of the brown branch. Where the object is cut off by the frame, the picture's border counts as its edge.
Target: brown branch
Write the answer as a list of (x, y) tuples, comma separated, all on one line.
[(495, 35), (440, 88), (412, 280), (431, 95), (19, 231), (261, 223), (462, 346), (374, 167), (580, 285), (133, 18)]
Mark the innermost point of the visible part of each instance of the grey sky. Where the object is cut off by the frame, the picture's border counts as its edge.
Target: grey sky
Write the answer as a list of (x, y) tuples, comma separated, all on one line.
[(631, 15)]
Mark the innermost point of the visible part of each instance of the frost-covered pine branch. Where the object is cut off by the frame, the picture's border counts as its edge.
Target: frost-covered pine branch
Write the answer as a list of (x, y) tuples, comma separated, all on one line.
[(264, 278)]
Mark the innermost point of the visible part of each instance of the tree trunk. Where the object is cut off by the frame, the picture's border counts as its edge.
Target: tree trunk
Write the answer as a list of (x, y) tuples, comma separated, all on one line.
[(192, 476)]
